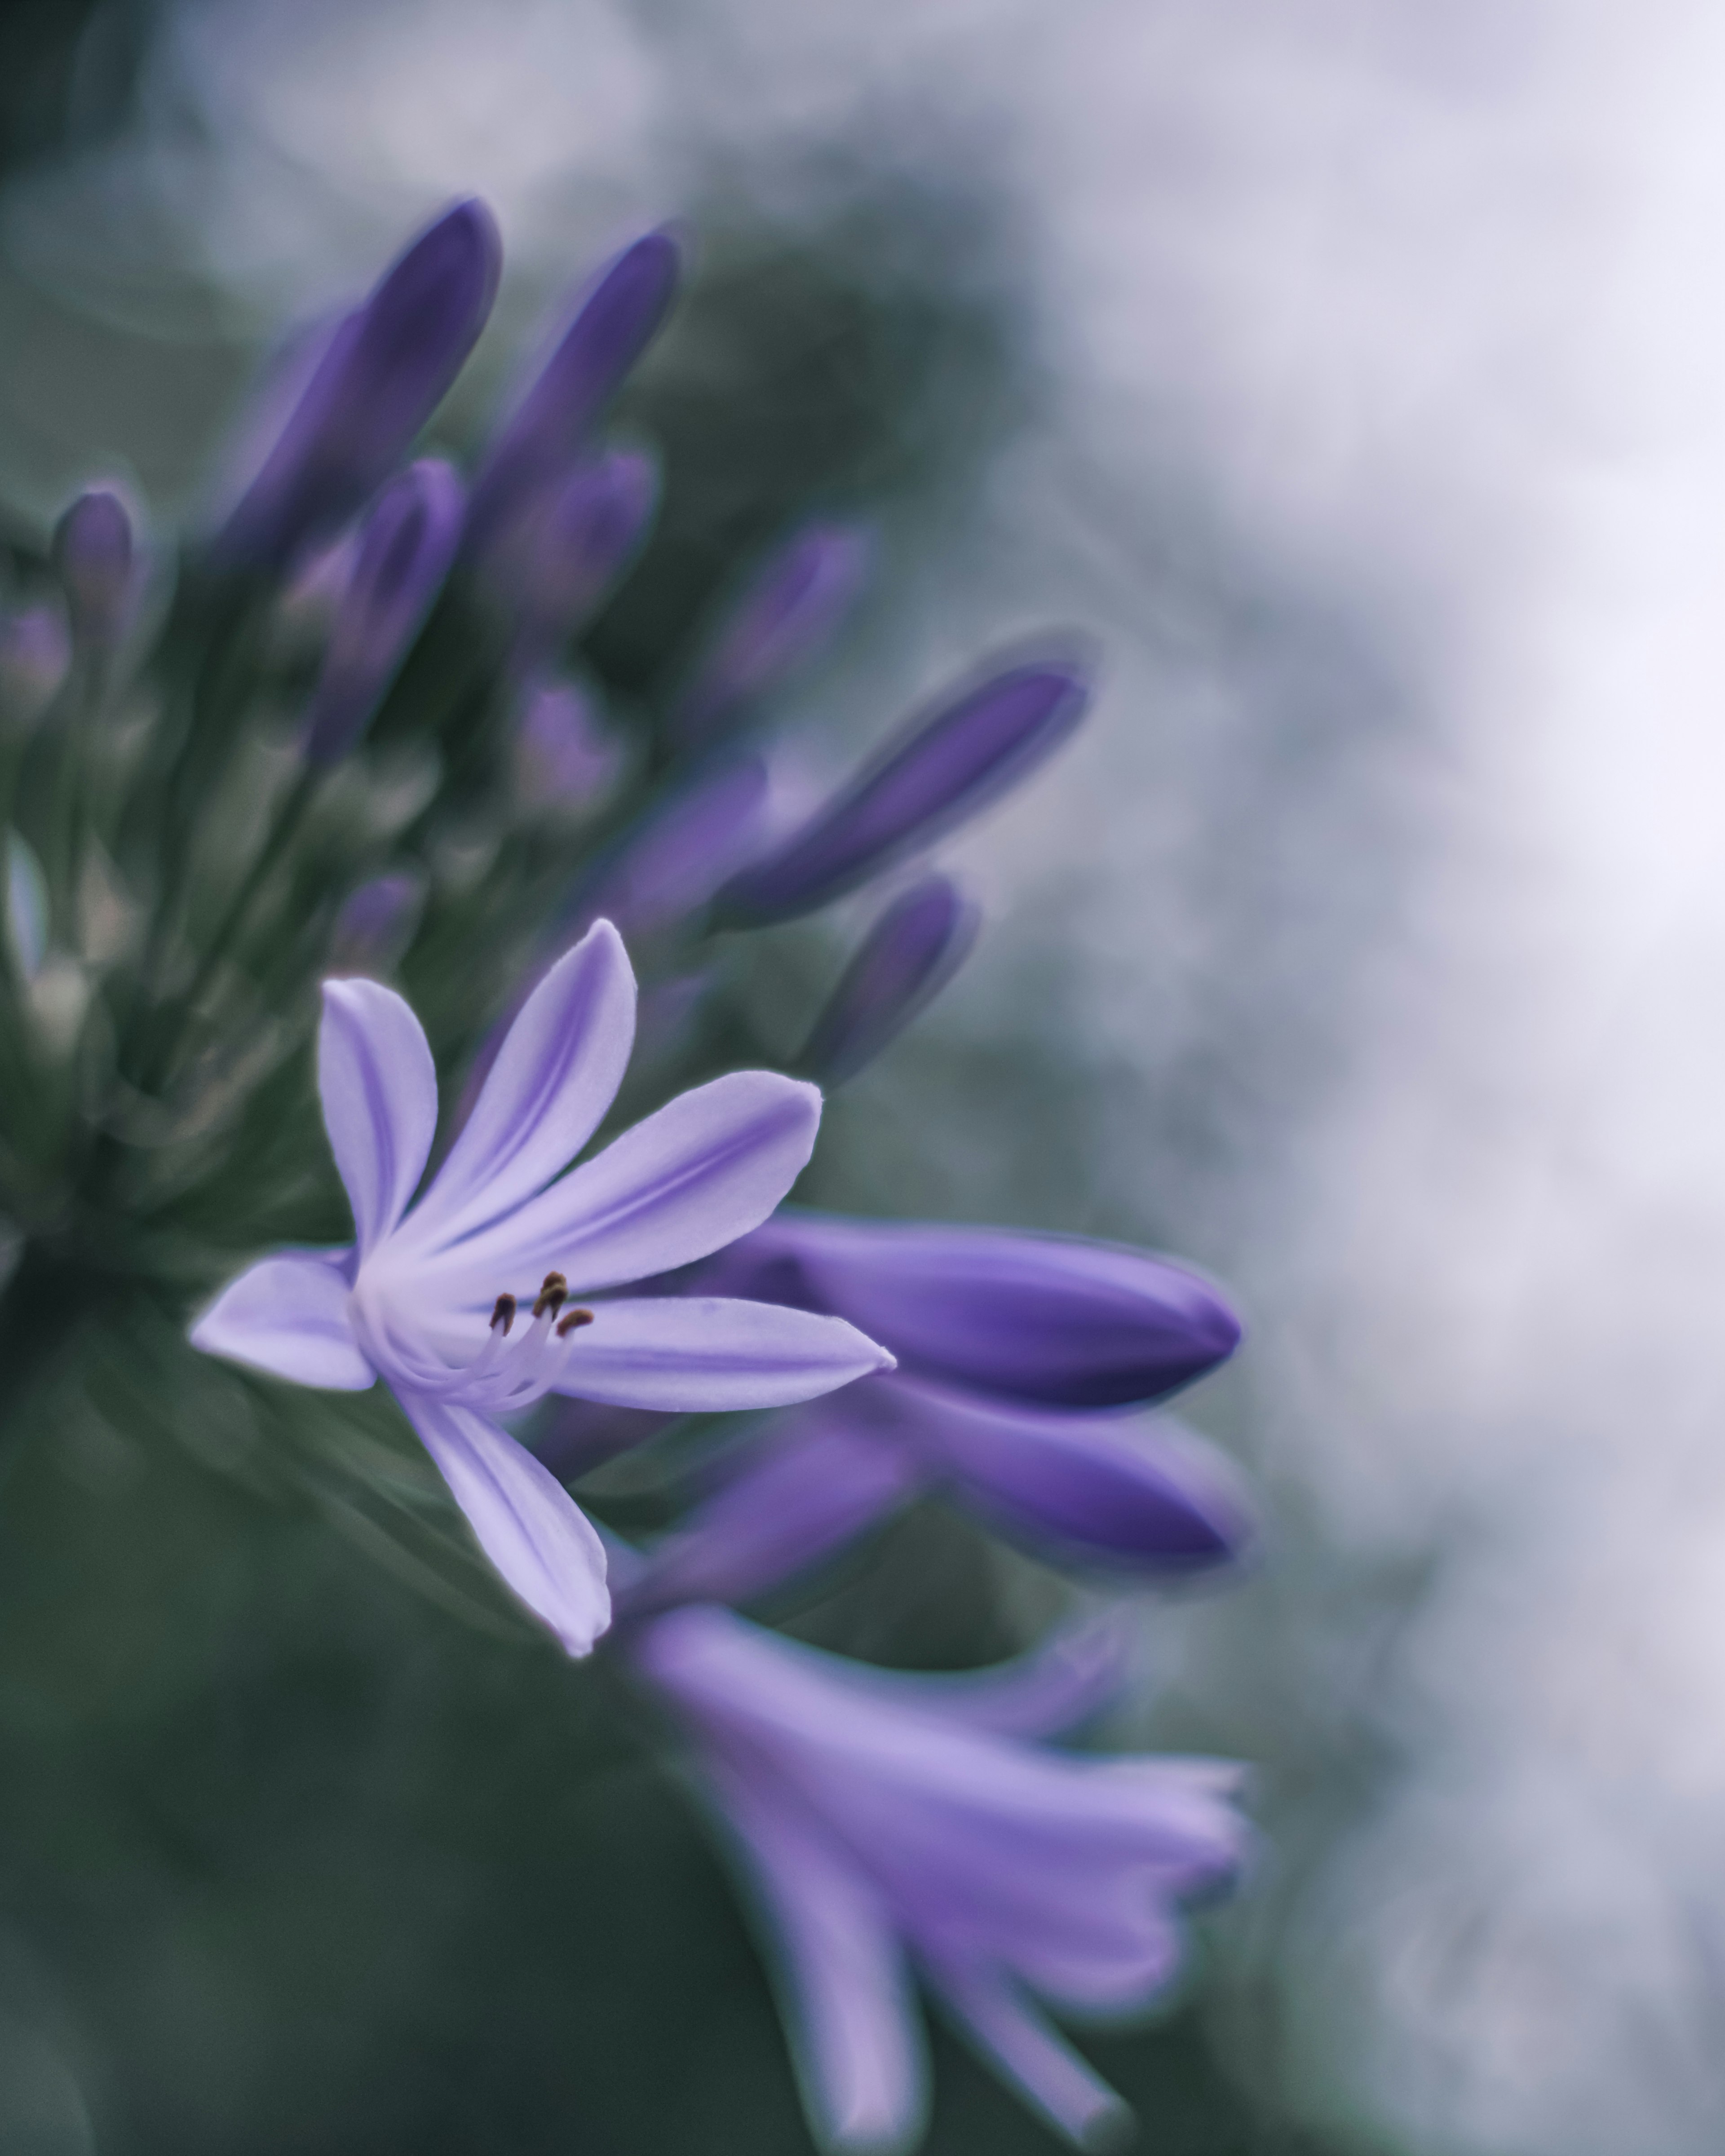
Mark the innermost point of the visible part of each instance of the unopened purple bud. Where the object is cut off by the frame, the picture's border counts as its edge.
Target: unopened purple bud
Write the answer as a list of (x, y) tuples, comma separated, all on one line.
[(93, 555), (670, 869), (614, 320), (937, 772), (376, 923), (383, 371), (564, 760), (786, 618), (35, 651), (906, 958), (554, 565), (405, 550)]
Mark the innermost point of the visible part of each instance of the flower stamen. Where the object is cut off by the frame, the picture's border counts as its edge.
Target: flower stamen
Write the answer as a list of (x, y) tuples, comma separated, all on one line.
[(553, 1294), (572, 1322)]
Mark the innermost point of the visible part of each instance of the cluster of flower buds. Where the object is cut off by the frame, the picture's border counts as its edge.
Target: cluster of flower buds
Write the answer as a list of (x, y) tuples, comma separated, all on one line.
[(222, 853)]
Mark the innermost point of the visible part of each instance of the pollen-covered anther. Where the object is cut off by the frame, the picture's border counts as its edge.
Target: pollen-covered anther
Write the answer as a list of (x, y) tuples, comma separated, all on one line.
[(504, 1314), (572, 1323), (553, 1294)]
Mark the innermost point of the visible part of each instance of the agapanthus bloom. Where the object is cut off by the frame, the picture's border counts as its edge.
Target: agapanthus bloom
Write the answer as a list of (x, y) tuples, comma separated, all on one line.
[(888, 1823), (427, 1296)]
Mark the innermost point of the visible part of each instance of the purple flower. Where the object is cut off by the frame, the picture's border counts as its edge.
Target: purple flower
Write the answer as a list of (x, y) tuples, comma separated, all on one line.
[(552, 566), (564, 760), (93, 554), (886, 1823), (376, 923), (904, 961), (35, 652), (669, 867), (937, 772), (427, 1297), (405, 549), (378, 377), (1013, 1354), (613, 323), (788, 614)]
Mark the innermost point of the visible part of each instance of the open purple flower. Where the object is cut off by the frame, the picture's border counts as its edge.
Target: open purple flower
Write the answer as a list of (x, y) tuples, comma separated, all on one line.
[(427, 1296), (886, 1822), (1014, 1355)]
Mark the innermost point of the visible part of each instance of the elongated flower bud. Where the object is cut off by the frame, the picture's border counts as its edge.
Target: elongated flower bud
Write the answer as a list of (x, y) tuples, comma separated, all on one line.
[(939, 771), (785, 618), (376, 923), (614, 321), (670, 868), (382, 373), (565, 763), (553, 568), (93, 554), (405, 552), (906, 958)]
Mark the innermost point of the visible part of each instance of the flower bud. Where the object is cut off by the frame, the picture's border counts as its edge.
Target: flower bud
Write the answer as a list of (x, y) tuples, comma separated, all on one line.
[(93, 555), (937, 772), (35, 651), (670, 868), (786, 618), (564, 761), (382, 373), (554, 566), (406, 546), (906, 958), (376, 923), (613, 323)]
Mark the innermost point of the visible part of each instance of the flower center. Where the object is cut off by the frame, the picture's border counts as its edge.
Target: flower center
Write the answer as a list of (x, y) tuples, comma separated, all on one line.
[(506, 1375)]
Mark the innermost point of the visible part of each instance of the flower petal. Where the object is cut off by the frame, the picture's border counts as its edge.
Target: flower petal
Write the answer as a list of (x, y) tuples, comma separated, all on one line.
[(802, 1493), (288, 1314), (702, 1355), (709, 1165), (556, 1074), (379, 1091), (542, 1544), (1016, 2039)]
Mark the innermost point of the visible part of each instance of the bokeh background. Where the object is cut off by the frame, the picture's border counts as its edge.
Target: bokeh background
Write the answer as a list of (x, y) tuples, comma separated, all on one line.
[(1356, 369)]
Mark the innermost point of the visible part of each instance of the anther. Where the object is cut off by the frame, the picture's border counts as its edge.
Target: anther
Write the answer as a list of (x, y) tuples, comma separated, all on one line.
[(504, 1314), (568, 1323), (553, 1294)]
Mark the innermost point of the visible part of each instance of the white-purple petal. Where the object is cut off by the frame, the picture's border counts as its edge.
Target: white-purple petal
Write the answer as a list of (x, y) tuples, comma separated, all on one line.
[(1017, 2040), (556, 1074), (378, 1087), (688, 1355), (288, 1314), (544, 1547)]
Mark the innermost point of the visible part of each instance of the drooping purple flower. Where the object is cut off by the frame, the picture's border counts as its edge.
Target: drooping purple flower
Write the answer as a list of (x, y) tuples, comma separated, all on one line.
[(92, 553), (1014, 1355), (405, 550), (903, 962), (885, 1824), (376, 923), (565, 761), (552, 566), (935, 773), (428, 1295), (614, 320), (378, 377), (787, 616)]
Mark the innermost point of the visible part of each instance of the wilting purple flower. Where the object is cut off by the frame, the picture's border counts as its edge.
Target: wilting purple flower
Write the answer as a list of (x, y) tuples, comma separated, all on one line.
[(564, 759), (552, 566), (427, 1297), (614, 321), (1012, 1352), (377, 923), (904, 961), (405, 550), (886, 1823), (382, 372), (934, 773), (93, 555), (787, 616), (35, 651)]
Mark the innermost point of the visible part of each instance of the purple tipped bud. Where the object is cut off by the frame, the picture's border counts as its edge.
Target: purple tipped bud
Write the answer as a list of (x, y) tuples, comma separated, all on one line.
[(906, 958), (671, 867), (939, 771), (93, 555), (405, 550), (383, 373), (614, 320), (787, 616), (376, 923), (564, 761), (556, 564), (35, 651)]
